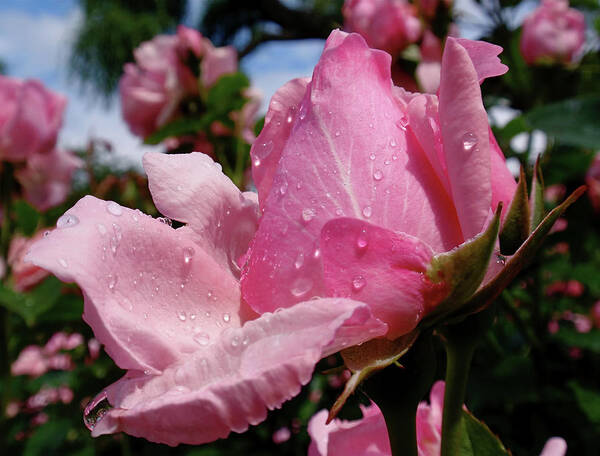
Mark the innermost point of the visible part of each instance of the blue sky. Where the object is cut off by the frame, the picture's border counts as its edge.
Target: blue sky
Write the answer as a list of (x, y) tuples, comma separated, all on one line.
[(35, 38)]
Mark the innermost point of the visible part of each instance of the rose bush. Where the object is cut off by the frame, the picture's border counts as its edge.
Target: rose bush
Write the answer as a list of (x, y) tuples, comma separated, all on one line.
[(553, 33)]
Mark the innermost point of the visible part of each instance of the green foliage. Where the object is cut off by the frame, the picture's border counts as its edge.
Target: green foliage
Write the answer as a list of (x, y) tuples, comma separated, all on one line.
[(478, 439), (111, 30), (32, 305), (28, 218)]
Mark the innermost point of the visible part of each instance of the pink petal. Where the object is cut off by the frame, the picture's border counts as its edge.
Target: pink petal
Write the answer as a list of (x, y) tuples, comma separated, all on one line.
[(555, 446), (484, 57), (429, 422), (217, 62), (192, 189), (503, 182), (233, 380), (347, 154), (367, 436), (266, 150), (381, 268), (464, 127), (144, 283)]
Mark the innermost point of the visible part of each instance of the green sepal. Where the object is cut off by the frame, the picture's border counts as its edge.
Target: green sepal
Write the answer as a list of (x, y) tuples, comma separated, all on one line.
[(477, 438), (486, 294), (366, 359), (462, 269), (517, 221), (536, 198)]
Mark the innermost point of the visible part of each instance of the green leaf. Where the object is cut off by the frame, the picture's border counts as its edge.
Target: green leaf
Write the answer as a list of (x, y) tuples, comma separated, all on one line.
[(588, 401), (573, 121), (226, 94), (462, 269), (536, 198), (27, 218), (478, 439), (48, 438), (32, 304), (515, 229), (519, 260), (179, 127), (573, 338)]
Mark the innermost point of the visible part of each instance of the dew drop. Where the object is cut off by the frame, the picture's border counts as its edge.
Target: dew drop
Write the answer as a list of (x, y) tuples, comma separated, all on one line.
[(256, 162), (367, 211), (362, 241), (301, 286), (46, 233), (393, 142), (372, 156), (339, 212), (377, 175), (202, 338), (114, 209), (181, 315), (403, 123), (500, 259), (337, 134), (66, 221), (166, 220), (95, 411), (308, 214), (112, 282), (188, 254), (316, 254), (469, 141), (118, 232), (263, 150), (358, 283), (283, 187), (101, 228), (63, 263), (299, 261), (226, 317)]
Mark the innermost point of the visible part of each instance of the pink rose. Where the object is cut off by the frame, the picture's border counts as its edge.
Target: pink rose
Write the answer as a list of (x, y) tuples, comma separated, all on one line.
[(428, 69), (25, 275), (47, 178), (369, 435), (390, 25), (166, 304), (361, 183), (152, 87), (30, 117), (553, 33), (31, 361)]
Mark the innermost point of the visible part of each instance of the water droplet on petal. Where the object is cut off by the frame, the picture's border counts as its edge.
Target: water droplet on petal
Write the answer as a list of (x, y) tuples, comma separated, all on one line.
[(337, 134), (363, 240), (188, 254), (469, 141), (358, 282), (308, 214), (95, 410), (372, 156), (165, 220), (66, 221), (403, 123), (377, 175), (283, 187), (301, 286), (63, 263), (202, 338), (114, 209), (393, 142), (339, 212), (118, 232), (226, 317), (316, 254), (101, 228), (46, 233), (256, 162), (299, 261), (112, 282), (181, 315), (367, 211)]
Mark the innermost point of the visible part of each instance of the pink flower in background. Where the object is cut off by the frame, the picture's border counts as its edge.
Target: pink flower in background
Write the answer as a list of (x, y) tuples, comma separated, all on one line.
[(592, 180), (25, 275), (369, 435), (152, 87), (553, 33), (47, 178), (595, 314), (281, 435), (35, 361), (361, 183), (31, 361), (428, 69), (166, 305), (390, 25), (570, 288), (30, 117)]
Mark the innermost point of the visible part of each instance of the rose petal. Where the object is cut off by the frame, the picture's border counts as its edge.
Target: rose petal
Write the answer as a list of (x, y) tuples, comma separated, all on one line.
[(192, 189), (555, 446), (484, 57), (231, 382), (267, 149), (464, 127), (144, 283), (381, 268)]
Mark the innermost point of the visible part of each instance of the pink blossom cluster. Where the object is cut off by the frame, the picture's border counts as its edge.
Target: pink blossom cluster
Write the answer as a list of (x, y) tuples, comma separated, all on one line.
[(592, 180), (553, 33), (30, 118), (369, 435), (171, 71), (25, 275), (35, 360)]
